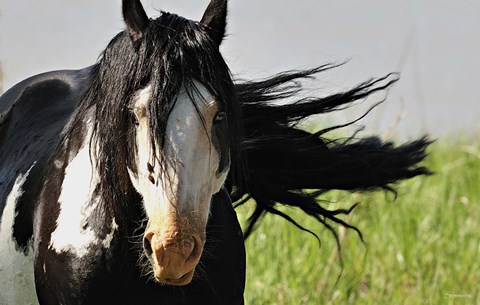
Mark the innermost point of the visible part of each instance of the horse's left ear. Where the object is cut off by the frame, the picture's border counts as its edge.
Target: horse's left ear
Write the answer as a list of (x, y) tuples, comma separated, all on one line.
[(135, 17), (215, 19)]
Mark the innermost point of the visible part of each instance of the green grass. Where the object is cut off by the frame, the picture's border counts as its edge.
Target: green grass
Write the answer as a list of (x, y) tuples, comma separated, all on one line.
[(422, 248)]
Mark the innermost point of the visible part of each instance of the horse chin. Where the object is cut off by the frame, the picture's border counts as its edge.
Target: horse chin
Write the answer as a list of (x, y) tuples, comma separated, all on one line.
[(181, 281)]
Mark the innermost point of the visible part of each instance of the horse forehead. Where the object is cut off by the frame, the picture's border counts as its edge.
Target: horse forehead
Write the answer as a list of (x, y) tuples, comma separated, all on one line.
[(200, 95), (194, 107)]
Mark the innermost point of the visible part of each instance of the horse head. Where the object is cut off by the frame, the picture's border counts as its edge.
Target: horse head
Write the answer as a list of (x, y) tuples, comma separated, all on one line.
[(181, 140), (178, 188)]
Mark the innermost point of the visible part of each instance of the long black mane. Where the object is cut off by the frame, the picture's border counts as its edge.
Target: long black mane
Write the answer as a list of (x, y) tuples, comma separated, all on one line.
[(274, 161), (291, 166)]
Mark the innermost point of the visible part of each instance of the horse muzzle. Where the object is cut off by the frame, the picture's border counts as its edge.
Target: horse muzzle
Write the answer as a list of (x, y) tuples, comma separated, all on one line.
[(173, 255)]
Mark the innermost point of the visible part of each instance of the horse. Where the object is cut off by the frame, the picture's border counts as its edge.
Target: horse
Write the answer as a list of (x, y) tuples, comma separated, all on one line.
[(119, 180)]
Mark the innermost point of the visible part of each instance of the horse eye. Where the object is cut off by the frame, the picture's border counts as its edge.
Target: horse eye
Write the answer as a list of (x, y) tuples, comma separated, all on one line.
[(220, 117), (133, 117)]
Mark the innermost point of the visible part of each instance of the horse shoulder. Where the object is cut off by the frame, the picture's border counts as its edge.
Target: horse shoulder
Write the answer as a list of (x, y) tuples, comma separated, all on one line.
[(32, 115)]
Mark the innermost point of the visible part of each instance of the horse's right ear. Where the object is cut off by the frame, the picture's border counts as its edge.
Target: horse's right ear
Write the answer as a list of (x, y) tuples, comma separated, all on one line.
[(215, 19), (135, 17)]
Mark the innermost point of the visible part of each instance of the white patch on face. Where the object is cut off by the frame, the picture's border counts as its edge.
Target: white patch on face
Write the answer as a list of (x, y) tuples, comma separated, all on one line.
[(17, 284), (77, 203), (195, 161)]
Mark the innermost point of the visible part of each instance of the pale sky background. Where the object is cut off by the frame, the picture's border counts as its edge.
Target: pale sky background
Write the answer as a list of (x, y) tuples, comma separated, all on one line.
[(435, 44)]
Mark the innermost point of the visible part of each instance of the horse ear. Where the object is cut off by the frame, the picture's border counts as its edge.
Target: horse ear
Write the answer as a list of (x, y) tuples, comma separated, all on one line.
[(135, 17), (215, 19)]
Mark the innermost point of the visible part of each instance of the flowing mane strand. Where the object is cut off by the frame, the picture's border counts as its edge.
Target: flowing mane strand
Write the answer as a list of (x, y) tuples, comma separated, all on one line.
[(290, 166)]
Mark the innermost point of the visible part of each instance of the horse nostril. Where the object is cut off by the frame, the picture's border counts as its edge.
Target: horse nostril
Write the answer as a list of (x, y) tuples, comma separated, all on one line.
[(147, 246), (188, 247), (196, 247)]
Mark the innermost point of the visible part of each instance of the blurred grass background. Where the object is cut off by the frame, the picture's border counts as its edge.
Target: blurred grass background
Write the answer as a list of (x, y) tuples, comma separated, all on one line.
[(421, 248)]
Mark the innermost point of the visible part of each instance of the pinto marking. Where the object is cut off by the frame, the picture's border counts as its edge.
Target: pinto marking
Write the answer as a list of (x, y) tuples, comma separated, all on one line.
[(17, 282), (107, 241), (71, 234), (77, 202)]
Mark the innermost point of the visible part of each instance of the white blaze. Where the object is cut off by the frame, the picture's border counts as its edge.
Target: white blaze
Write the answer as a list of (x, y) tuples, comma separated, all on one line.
[(191, 178)]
